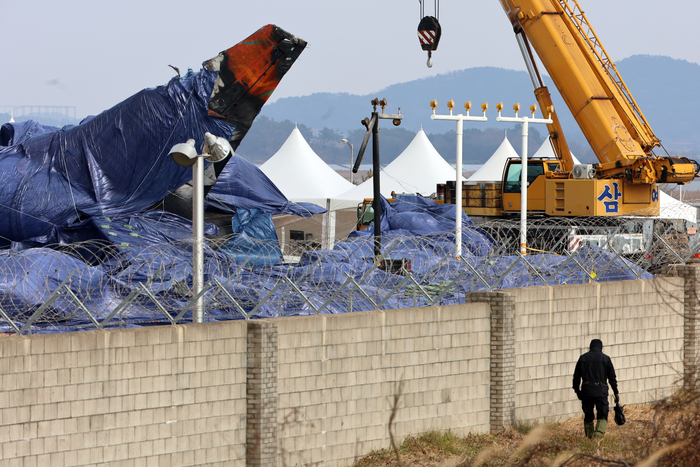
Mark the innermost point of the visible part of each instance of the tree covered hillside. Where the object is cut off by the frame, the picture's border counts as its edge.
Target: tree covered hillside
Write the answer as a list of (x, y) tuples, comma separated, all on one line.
[(266, 137), (664, 88)]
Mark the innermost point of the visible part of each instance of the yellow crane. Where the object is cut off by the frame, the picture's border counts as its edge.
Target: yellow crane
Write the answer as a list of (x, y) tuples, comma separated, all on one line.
[(626, 179)]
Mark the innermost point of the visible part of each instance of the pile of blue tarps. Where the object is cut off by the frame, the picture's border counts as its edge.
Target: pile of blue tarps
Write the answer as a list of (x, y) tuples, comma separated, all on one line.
[(125, 255), (111, 164), (117, 163), (242, 185), (254, 241)]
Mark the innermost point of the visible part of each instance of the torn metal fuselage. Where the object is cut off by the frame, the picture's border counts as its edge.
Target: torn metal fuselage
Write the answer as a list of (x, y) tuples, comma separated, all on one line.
[(249, 72)]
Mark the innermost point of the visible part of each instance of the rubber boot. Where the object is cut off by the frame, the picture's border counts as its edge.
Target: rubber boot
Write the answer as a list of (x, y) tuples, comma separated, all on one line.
[(588, 428), (600, 428)]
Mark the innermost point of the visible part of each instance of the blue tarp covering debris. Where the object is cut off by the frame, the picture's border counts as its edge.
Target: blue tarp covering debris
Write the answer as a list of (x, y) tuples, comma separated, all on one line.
[(83, 246), (118, 163), (57, 182), (242, 185), (145, 251), (254, 241), (417, 216), (107, 165)]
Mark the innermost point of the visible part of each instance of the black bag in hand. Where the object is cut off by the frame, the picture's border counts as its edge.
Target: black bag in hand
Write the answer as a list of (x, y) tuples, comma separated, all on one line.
[(619, 414)]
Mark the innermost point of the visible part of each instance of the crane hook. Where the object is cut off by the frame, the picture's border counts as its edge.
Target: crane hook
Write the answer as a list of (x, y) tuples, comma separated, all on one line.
[(429, 31)]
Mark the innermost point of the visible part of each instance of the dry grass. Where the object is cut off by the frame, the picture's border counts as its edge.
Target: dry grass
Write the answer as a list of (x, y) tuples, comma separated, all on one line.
[(653, 435)]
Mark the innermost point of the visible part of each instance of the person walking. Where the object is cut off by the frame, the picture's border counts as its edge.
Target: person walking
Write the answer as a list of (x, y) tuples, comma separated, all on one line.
[(596, 370)]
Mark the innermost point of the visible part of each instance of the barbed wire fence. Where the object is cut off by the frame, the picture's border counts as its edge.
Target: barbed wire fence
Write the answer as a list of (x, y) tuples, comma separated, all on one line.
[(100, 285)]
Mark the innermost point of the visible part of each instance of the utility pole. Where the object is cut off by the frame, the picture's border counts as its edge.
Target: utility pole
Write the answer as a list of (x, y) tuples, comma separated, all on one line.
[(372, 126), (351, 157)]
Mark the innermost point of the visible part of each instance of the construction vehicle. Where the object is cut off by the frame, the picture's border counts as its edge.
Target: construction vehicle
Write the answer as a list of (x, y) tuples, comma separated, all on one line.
[(365, 214), (625, 181), (365, 211)]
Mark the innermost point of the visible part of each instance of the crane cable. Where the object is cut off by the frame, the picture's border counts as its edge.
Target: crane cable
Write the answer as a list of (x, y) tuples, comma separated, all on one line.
[(436, 7)]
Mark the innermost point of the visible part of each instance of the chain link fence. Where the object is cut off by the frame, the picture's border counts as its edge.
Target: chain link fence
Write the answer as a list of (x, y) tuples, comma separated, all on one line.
[(99, 285)]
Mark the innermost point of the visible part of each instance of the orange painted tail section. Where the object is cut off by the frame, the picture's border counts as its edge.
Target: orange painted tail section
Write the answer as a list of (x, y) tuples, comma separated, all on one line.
[(249, 72)]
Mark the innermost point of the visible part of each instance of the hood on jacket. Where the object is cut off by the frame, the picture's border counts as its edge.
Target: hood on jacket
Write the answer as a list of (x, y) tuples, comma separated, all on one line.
[(596, 344)]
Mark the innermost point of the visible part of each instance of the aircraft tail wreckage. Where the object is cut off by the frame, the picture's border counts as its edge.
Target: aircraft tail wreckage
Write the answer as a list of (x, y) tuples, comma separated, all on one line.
[(117, 163)]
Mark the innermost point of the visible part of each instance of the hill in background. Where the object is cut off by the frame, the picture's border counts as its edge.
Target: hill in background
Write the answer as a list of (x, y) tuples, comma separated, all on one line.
[(662, 87)]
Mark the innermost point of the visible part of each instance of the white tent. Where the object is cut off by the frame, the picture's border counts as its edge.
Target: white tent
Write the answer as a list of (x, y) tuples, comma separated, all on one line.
[(418, 169), (303, 176), (547, 152), (492, 170), (671, 208)]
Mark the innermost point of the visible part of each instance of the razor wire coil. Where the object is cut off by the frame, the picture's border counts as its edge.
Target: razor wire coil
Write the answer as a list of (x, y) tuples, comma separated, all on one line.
[(99, 285)]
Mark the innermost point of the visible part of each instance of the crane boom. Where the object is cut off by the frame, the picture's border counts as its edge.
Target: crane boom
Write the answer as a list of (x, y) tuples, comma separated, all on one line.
[(624, 100), (594, 92)]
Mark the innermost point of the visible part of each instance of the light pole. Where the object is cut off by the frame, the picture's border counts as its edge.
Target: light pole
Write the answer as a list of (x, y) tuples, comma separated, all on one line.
[(458, 183), (372, 127), (184, 154), (523, 167), (351, 157)]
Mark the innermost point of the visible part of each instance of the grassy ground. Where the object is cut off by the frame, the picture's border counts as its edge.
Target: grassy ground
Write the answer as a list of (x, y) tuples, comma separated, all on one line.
[(647, 438)]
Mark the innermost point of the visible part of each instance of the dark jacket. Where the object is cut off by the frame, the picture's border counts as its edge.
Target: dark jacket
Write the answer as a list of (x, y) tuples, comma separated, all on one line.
[(594, 368)]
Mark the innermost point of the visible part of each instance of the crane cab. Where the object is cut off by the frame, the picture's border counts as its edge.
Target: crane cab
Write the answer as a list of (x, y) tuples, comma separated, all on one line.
[(537, 172)]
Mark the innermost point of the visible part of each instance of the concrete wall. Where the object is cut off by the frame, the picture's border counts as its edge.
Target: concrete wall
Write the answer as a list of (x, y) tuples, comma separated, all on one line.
[(640, 323), (338, 375), (206, 394), (160, 396)]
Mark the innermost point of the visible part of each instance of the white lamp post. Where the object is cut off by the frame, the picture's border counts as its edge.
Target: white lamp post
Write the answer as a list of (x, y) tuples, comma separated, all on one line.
[(523, 168), (458, 183), (185, 155), (351, 157)]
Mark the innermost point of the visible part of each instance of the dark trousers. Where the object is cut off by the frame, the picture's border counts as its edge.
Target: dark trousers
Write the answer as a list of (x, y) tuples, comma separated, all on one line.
[(601, 407)]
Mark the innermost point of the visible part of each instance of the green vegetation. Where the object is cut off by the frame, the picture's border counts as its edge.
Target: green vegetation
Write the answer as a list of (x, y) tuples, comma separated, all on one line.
[(266, 136)]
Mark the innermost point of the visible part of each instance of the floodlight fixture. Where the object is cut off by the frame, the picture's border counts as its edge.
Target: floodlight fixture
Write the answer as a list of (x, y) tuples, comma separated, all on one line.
[(215, 149), (184, 154)]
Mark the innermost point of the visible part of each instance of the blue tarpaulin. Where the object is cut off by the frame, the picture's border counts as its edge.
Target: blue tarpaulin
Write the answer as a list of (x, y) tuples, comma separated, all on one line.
[(243, 185), (413, 215), (254, 241), (154, 250), (77, 205), (113, 164), (117, 164)]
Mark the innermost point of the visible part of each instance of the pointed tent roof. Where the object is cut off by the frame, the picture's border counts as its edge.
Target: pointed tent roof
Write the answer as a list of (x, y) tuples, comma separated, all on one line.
[(492, 170), (671, 208), (301, 175), (547, 152), (418, 169)]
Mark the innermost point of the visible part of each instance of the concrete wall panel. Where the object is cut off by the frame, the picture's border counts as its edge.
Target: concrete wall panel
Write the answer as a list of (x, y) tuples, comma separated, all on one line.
[(336, 393), (176, 395), (170, 395)]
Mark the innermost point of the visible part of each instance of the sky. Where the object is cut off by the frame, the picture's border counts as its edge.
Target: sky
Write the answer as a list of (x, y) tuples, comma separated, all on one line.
[(94, 54)]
